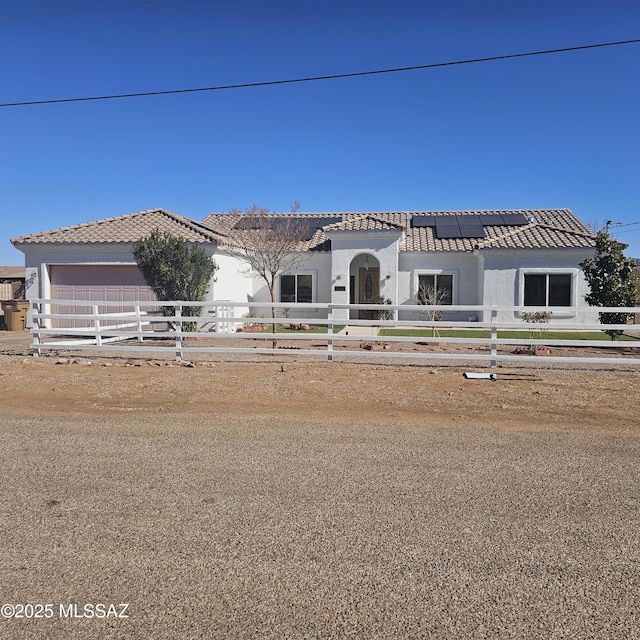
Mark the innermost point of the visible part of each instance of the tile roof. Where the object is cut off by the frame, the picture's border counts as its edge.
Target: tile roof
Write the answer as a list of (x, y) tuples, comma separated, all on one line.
[(546, 229), (225, 225), (365, 222), (12, 273), (127, 228)]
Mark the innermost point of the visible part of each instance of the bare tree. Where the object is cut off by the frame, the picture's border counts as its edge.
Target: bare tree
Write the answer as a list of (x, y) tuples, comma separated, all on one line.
[(270, 245), (430, 296)]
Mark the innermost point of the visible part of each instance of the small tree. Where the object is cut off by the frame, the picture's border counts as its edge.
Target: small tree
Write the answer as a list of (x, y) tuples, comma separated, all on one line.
[(270, 246), (431, 296), (175, 271), (612, 280), (536, 317)]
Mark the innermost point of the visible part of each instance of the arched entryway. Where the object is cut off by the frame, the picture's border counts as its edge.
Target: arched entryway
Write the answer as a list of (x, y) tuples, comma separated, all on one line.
[(364, 281)]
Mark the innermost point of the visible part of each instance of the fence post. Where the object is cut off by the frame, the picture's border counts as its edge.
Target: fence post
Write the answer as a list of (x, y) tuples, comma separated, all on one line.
[(330, 335), (35, 330), (494, 337), (215, 310), (178, 312), (96, 324), (138, 323)]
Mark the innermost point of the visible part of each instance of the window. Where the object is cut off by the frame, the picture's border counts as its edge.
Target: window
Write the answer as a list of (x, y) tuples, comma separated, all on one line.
[(547, 289), (296, 288), (436, 288)]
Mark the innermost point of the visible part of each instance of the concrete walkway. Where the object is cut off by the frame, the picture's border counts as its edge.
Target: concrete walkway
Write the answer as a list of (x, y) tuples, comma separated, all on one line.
[(359, 331)]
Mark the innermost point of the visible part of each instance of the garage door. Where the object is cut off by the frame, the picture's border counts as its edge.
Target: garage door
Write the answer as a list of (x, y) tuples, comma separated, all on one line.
[(97, 283)]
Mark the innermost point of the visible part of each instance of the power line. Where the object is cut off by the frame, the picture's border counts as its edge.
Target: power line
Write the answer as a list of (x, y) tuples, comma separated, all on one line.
[(622, 224), (611, 223), (318, 78)]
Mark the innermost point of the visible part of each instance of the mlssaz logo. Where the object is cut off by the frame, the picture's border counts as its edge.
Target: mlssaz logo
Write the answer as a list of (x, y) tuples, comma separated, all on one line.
[(98, 610)]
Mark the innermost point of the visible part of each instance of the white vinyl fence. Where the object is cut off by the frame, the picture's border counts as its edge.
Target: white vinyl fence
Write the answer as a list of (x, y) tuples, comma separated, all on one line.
[(248, 328)]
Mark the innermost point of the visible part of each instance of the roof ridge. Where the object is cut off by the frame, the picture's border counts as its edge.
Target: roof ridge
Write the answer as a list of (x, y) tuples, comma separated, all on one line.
[(187, 222), (395, 211), (157, 217), (360, 218), (487, 242), (373, 216), (485, 211), (586, 234), (82, 225), (509, 234)]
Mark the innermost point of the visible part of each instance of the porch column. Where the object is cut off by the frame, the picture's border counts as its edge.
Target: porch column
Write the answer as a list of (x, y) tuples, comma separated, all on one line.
[(340, 261)]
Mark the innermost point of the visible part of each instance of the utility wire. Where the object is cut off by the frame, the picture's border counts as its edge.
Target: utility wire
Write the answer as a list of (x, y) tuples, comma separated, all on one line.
[(318, 78), (622, 224)]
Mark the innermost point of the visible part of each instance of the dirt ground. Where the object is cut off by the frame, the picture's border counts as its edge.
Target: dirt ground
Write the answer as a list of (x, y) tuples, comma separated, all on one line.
[(529, 395), (371, 393), (292, 499)]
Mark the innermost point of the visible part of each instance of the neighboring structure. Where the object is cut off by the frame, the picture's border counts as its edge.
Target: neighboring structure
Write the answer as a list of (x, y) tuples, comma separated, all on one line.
[(509, 258), (11, 283), (11, 287)]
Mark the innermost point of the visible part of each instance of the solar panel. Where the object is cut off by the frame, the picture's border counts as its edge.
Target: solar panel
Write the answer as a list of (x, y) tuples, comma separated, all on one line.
[(441, 223), (447, 227), (515, 219), (503, 219), (308, 225), (246, 224), (311, 225), (491, 220), (448, 233), (465, 221), (423, 221), (470, 227), (318, 223), (305, 226)]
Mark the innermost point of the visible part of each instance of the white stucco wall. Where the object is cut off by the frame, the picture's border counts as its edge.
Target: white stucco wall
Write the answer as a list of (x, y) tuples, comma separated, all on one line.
[(463, 266), (235, 282), (490, 277), (232, 282), (349, 248), (504, 277), (496, 277), (317, 265)]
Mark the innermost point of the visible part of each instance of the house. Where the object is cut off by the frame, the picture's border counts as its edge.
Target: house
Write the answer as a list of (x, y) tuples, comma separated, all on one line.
[(93, 261), (504, 258)]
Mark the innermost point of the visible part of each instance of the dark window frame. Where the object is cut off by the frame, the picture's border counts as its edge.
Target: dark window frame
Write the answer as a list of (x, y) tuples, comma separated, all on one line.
[(300, 292), (448, 289), (547, 289)]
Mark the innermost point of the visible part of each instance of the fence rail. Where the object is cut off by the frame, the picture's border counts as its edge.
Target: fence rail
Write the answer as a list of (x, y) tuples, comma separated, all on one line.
[(230, 328)]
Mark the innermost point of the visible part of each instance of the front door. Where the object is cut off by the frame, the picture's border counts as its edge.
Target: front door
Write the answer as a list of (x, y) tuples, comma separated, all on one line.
[(368, 287)]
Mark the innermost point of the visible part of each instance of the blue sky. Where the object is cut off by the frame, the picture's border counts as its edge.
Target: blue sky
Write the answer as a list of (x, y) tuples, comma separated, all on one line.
[(560, 130)]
